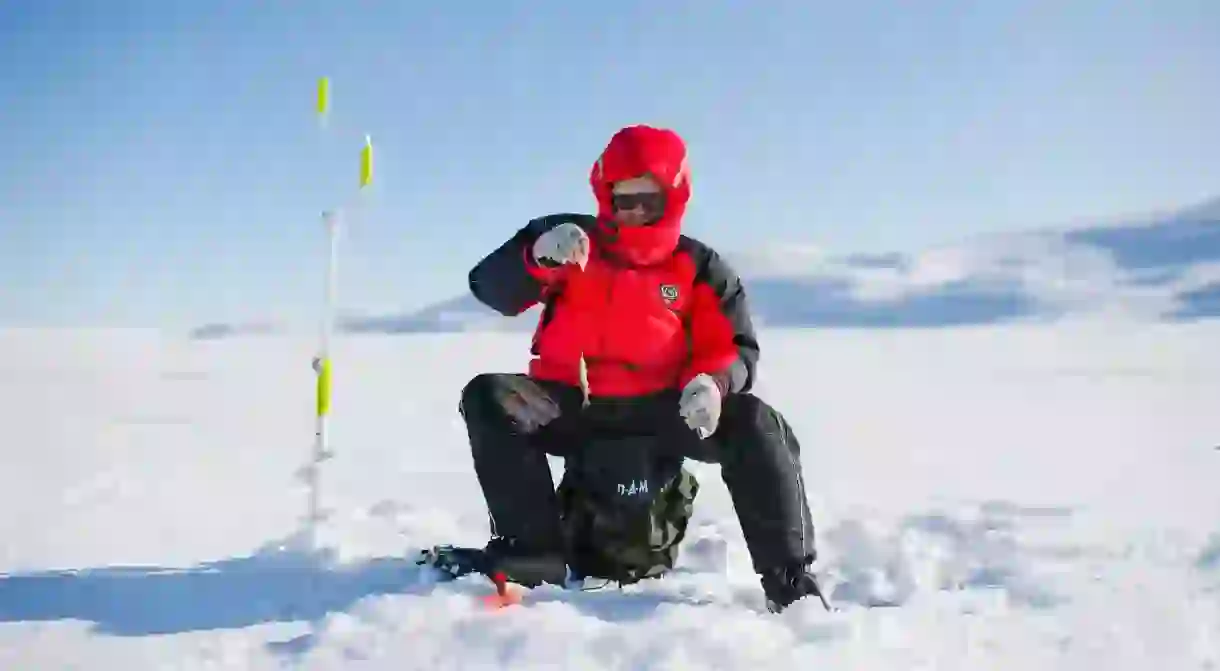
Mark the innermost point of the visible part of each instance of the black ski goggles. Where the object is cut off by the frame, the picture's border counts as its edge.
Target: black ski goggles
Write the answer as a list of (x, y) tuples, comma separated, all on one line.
[(652, 203)]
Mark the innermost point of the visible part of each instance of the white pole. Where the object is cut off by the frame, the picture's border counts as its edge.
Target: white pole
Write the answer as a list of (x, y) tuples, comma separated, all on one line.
[(322, 369), (321, 361)]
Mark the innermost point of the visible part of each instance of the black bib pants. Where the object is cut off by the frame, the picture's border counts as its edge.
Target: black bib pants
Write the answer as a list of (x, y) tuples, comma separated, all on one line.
[(513, 422)]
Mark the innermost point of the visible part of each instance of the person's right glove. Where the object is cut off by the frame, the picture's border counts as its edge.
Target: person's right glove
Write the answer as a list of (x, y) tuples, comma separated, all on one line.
[(566, 243), (700, 404)]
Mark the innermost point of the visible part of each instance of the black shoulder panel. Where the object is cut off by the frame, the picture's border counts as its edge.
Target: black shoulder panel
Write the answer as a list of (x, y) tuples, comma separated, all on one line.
[(713, 270), (501, 281)]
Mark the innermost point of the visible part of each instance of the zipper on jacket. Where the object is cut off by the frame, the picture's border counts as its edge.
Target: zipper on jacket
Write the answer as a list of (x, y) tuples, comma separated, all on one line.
[(601, 339)]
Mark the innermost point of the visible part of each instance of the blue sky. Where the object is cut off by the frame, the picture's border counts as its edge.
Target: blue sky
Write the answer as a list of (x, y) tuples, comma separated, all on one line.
[(163, 165)]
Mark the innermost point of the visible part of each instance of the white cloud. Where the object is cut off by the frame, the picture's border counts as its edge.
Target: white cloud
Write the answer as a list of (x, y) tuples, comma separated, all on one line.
[(782, 261), (1061, 276)]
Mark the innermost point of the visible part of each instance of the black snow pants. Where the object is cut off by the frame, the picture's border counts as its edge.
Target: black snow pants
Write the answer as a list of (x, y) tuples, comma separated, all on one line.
[(514, 421)]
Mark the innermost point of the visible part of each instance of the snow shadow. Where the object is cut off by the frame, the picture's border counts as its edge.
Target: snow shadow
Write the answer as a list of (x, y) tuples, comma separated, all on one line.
[(271, 585), (1209, 555), (979, 548), (1207, 564), (276, 584)]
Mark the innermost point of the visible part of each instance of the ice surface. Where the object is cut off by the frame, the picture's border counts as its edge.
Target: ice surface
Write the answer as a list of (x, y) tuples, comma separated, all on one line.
[(1026, 497)]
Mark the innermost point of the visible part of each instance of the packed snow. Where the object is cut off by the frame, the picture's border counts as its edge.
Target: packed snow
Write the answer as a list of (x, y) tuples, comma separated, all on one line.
[(1018, 497)]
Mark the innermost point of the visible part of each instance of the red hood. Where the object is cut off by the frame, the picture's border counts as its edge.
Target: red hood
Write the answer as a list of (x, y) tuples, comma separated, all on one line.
[(634, 151)]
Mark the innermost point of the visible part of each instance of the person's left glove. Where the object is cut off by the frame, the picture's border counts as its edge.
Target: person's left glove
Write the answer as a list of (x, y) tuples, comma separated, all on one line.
[(700, 405)]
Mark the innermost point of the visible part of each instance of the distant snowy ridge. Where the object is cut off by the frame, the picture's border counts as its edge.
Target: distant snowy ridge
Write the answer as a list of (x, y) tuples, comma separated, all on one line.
[(1153, 267)]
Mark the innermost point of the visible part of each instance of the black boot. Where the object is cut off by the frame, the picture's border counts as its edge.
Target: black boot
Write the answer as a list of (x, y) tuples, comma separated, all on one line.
[(524, 565), (786, 584)]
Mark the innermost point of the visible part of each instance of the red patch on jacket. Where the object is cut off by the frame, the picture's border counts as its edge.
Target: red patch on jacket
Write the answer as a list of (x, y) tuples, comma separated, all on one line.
[(629, 324)]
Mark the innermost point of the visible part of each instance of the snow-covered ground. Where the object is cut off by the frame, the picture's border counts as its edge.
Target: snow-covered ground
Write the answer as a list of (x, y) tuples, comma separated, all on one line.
[(1033, 497)]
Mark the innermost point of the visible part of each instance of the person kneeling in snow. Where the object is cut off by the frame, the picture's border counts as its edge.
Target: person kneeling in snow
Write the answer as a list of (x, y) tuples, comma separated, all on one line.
[(644, 329)]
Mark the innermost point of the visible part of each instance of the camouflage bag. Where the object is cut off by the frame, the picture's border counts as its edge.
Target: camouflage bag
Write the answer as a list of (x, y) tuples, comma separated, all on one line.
[(624, 511)]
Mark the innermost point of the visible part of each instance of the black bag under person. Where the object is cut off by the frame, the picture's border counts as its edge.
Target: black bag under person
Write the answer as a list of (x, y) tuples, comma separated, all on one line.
[(624, 510)]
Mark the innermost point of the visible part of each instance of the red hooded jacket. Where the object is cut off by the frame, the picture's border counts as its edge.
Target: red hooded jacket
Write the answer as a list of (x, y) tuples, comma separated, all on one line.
[(652, 308)]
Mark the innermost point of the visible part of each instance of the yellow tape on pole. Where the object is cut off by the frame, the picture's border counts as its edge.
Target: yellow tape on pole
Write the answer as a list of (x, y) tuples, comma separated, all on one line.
[(366, 162)]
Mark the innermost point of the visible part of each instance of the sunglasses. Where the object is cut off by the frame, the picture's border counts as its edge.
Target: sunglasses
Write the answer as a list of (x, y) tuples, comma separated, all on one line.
[(651, 202)]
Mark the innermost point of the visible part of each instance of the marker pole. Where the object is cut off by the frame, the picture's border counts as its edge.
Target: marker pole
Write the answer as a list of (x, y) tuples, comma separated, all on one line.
[(322, 359), (322, 363)]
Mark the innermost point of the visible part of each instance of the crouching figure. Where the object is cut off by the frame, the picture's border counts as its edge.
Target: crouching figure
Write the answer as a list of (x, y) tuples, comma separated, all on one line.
[(644, 356)]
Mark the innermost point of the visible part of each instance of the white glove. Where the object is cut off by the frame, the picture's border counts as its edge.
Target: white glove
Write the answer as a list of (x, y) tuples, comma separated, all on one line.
[(700, 405), (566, 243)]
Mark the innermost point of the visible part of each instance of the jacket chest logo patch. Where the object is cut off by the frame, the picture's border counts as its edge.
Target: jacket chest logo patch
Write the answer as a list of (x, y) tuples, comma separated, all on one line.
[(669, 292)]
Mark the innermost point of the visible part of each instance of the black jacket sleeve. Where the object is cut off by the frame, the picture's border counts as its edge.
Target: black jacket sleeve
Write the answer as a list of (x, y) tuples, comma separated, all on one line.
[(733, 315), (502, 281)]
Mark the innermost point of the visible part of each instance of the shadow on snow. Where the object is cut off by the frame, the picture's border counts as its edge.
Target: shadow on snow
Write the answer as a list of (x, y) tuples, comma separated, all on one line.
[(279, 584), (271, 585), (276, 584)]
